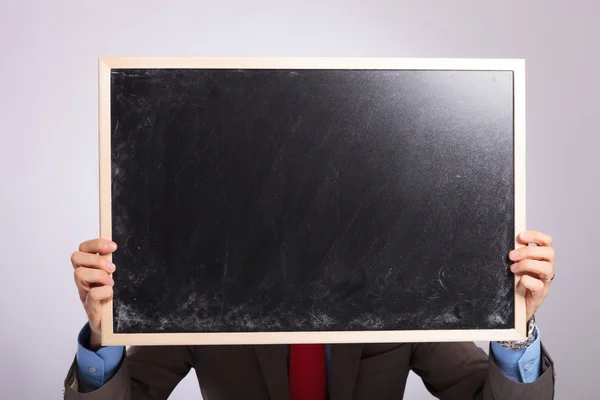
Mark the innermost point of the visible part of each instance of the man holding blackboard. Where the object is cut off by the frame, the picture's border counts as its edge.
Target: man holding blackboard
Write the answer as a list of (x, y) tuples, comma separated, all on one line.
[(514, 370)]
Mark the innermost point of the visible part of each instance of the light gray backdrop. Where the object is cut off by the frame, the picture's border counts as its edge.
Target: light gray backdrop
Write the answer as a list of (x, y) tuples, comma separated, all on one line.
[(48, 152)]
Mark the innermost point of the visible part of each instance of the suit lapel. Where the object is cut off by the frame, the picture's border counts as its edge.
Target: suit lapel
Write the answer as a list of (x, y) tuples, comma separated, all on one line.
[(345, 359), (273, 365)]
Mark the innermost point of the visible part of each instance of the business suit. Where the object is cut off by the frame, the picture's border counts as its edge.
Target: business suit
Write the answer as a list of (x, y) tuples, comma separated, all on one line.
[(358, 372)]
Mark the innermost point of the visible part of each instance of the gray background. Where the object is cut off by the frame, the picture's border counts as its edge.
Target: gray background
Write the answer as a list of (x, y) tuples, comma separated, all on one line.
[(48, 157)]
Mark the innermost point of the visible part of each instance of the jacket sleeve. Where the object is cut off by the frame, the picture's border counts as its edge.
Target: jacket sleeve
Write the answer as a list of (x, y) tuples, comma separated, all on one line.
[(146, 372), (465, 371)]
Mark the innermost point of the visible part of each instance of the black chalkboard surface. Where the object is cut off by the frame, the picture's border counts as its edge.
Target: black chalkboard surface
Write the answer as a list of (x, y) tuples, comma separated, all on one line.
[(269, 200)]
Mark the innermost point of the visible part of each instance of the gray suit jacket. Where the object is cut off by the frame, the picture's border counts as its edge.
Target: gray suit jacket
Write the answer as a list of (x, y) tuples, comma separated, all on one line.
[(358, 372)]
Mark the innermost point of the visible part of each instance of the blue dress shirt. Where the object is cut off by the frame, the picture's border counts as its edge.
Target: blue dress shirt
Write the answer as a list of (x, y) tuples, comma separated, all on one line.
[(94, 369)]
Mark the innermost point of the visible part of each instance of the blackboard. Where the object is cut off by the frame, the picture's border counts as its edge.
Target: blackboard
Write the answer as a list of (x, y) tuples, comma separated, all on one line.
[(258, 204)]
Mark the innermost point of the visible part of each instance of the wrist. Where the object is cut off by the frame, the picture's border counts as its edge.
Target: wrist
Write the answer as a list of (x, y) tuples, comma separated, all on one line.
[(95, 341), (89, 339), (522, 344)]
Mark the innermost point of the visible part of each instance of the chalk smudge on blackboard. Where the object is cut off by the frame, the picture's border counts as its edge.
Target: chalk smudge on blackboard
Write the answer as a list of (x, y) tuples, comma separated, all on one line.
[(445, 317), (496, 319), (367, 322), (442, 274), (128, 316), (321, 320), (245, 319)]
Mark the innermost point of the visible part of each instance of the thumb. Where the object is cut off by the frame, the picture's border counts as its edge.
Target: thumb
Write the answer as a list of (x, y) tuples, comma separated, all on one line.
[(93, 305)]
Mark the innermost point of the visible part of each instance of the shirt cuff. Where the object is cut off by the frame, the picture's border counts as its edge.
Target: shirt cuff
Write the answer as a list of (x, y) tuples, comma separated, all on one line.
[(522, 366), (94, 369)]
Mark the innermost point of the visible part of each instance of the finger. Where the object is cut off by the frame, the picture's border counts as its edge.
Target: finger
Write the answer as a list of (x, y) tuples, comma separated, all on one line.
[(533, 252), (101, 246), (89, 260), (93, 304), (100, 294), (87, 278), (542, 269), (535, 287), (539, 238)]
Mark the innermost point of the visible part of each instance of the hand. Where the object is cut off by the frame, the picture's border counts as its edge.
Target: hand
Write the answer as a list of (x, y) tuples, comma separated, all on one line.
[(535, 265), (93, 280)]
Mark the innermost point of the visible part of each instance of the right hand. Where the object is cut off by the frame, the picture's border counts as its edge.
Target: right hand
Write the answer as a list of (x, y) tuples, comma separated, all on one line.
[(93, 280)]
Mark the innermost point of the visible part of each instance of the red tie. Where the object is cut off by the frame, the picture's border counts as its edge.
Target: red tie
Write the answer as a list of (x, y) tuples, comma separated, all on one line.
[(308, 372)]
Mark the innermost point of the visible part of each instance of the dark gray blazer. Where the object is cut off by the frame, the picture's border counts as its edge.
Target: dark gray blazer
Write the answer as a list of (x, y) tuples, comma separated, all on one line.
[(358, 371)]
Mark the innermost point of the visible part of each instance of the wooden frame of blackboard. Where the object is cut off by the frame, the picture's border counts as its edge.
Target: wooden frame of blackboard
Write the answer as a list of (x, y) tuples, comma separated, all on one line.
[(517, 66)]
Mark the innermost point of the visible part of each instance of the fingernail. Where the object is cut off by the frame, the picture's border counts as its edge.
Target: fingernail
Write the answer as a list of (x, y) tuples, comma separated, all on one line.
[(514, 253), (112, 267), (112, 282), (112, 246), (514, 267), (522, 234)]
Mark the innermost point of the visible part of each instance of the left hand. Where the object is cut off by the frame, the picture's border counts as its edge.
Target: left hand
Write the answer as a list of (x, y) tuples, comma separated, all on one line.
[(535, 265)]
